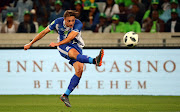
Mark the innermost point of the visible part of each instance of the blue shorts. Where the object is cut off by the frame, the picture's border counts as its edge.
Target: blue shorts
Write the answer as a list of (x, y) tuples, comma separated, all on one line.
[(64, 49)]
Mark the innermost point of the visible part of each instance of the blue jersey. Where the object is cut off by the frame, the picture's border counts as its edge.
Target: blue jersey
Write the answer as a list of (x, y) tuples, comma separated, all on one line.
[(63, 30)]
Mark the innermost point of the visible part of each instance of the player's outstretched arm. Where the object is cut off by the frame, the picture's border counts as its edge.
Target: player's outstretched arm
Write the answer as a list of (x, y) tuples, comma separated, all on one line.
[(70, 37), (38, 37)]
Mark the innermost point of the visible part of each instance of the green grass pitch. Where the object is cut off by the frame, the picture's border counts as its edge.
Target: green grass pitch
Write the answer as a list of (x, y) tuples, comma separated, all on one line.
[(91, 103)]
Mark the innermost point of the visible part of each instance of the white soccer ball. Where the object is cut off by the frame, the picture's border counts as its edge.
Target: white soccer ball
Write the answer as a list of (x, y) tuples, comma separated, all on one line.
[(131, 39)]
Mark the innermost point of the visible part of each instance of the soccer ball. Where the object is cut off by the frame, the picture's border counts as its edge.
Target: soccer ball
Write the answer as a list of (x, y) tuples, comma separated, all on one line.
[(131, 39)]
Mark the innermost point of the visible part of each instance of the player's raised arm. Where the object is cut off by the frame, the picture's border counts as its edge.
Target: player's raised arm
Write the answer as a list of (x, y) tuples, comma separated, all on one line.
[(70, 37), (38, 37)]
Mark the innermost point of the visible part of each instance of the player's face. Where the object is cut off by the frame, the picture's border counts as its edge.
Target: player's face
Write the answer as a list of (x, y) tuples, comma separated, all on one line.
[(70, 21)]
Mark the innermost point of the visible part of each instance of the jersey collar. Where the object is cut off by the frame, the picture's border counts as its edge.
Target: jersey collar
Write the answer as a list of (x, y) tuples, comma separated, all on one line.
[(64, 24)]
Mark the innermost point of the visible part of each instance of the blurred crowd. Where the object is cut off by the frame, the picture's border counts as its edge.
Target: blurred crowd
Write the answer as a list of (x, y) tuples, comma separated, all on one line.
[(113, 16)]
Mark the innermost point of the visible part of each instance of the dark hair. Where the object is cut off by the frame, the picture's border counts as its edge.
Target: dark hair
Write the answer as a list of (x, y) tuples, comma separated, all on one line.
[(121, 5), (151, 10), (69, 13), (107, 6)]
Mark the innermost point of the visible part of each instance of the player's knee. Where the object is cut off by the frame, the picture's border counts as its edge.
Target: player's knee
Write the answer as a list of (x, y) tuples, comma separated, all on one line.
[(73, 53), (79, 71)]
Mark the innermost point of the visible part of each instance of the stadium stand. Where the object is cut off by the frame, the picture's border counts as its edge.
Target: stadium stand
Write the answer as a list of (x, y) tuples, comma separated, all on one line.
[(94, 40), (91, 39)]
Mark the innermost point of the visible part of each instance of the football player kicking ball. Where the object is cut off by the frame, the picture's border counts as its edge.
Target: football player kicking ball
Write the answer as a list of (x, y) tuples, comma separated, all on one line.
[(70, 46)]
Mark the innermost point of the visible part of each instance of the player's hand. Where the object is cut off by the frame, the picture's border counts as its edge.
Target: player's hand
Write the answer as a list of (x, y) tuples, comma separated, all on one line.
[(52, 44), (27, 46)]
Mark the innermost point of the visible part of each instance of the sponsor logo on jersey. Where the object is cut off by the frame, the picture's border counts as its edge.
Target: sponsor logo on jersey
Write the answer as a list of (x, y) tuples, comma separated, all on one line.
[(65, 32)]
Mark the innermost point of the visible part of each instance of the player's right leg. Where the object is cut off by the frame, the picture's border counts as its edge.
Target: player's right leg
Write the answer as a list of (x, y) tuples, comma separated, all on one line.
[(73, 83), (73, 53)]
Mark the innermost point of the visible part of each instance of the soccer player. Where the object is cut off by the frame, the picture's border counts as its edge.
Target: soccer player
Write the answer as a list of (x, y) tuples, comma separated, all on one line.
[(70, 46)]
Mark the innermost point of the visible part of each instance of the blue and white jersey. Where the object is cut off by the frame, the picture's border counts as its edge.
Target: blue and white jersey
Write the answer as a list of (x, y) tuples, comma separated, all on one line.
[(63, 31)]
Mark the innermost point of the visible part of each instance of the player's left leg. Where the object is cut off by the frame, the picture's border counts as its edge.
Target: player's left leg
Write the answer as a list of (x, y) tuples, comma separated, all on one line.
[(73, 83), (74, 54)]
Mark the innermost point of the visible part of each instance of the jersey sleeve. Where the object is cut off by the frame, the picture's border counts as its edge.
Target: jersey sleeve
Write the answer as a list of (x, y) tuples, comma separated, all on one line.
[(52, 26), (78, 26)]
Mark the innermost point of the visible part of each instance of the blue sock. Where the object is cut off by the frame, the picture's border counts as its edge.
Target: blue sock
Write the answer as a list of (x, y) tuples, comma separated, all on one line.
[(84, 59), (73, 83)]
